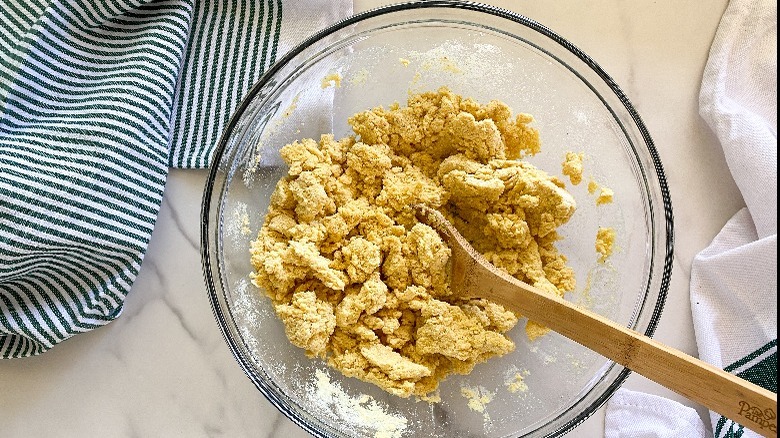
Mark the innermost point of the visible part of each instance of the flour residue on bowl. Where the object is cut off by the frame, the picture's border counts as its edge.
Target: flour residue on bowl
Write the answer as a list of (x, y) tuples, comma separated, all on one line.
[(453, 62), (478, 398), (243, 304), (514, 380), (362, 411), (292, 106), (332, 79), (600, 279), (360, 77), (584, 297), (237, 226)]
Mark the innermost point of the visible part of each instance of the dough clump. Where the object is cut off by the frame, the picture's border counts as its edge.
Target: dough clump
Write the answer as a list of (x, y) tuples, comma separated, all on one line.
[(572, 166), (605, 241), (358, 281), (605, 196)]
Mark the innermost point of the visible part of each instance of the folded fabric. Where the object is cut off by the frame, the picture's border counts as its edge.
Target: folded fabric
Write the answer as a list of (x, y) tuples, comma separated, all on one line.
[(734, 281), (733, 287), (97, 100), (632, 414)]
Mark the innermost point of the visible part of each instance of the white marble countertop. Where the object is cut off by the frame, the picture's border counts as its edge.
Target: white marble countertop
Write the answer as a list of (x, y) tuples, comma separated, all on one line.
[(163, 369)]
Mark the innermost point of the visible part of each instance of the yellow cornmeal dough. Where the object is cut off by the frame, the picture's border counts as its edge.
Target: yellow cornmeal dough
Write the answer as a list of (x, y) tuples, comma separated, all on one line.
[(593, 186), (572, 166), (605, 196), (358, 281), (534, 330), (605, 241)]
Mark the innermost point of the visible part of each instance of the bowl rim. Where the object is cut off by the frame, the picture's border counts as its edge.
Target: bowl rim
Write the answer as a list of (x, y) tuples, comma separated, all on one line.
[(208, 269)]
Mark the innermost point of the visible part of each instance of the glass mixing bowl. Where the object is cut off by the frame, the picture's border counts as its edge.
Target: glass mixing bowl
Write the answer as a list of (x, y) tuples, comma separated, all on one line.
[(377, 58)]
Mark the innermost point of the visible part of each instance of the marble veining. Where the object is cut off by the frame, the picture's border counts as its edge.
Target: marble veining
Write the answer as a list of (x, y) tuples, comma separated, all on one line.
[(163, 369)]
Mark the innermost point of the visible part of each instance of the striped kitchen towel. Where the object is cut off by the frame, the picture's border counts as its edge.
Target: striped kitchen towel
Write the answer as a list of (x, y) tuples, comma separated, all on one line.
[(98, 98)]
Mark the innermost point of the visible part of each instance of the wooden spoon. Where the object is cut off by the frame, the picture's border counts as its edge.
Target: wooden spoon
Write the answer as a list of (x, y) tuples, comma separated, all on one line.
[(471, 275)]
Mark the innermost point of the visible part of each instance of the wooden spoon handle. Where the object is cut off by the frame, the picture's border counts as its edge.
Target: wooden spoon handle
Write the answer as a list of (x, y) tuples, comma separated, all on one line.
[(737, 399)]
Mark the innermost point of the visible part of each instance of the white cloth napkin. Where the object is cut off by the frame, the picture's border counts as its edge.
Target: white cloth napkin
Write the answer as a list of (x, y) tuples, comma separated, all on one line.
[(97, 99), (633, 414), (733, 281)]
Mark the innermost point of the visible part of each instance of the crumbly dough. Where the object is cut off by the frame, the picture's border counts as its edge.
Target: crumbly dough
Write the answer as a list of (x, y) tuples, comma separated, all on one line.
[(572, 166), (605, 195), (605, 241), (593, 186), (358, 281)]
